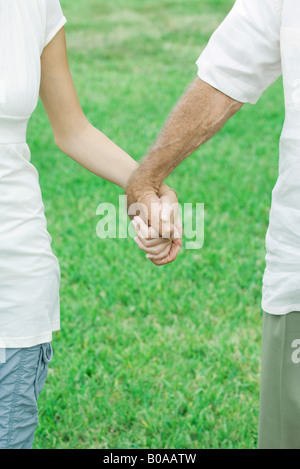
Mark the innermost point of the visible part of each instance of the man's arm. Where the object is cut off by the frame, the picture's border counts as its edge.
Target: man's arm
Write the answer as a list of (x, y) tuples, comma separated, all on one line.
[(198, 116), (241, 60)]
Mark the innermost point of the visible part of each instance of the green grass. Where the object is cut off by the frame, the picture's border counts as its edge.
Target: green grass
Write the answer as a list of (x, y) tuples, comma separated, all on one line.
[(155, 357)]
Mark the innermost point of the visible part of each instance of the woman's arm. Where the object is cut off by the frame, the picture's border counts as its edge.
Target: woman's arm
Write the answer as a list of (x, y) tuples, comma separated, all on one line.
[(76, 137), (73, 134)]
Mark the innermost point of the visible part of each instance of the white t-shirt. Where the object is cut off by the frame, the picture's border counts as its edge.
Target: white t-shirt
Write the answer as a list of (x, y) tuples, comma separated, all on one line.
[(29, 271), (257, 42)]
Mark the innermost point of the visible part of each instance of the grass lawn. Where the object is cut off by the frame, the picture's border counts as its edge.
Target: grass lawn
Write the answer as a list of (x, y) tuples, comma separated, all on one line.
[(155, 357)]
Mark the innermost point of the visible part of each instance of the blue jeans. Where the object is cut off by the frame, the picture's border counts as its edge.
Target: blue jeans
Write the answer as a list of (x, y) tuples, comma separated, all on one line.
[(22, 378)]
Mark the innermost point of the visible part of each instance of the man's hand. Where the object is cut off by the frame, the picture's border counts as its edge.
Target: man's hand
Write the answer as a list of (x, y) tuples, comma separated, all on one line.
[(157, 206), (158, 225)]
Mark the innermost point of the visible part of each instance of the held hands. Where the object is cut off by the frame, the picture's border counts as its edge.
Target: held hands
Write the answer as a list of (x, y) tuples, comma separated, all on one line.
[(157, 225)]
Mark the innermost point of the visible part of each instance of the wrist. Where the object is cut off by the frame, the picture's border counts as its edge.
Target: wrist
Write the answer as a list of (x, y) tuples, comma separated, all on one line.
[(127, 177), (139, 183)]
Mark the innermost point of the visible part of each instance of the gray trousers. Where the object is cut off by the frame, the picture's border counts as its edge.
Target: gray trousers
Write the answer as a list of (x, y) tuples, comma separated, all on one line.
[(279, 421)]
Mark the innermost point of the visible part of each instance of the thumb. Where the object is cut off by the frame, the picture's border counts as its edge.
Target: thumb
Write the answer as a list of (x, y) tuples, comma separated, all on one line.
[(167, 221), (165, 213)]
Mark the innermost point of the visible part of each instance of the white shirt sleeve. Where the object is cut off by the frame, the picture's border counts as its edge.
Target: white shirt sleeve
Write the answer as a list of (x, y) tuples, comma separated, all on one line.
[(55, 20), (242, 57)]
